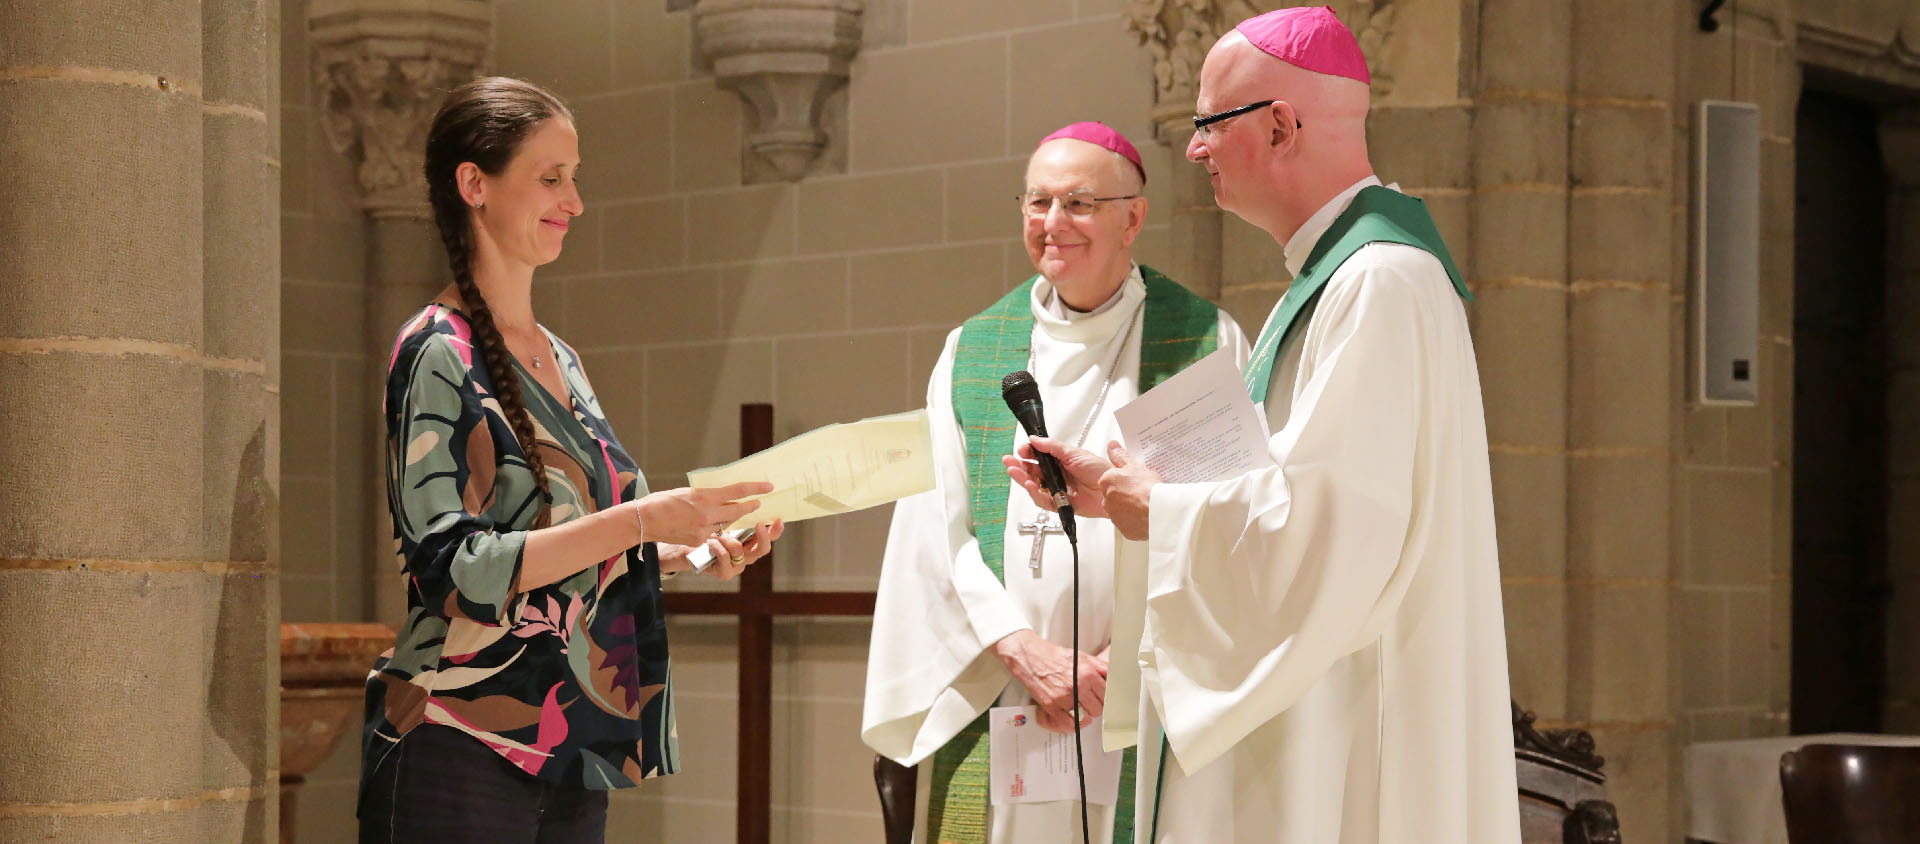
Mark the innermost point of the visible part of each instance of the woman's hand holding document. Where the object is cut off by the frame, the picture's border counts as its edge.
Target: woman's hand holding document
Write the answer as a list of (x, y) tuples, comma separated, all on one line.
[(1198, 425), (834, 469)]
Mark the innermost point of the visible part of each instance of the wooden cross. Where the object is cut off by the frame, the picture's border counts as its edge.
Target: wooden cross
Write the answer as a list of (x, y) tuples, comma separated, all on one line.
[(1041, 525), (756, 604)]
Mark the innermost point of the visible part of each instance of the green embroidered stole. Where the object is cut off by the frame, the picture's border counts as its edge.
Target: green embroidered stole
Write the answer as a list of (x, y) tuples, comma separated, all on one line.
[(1377, 215), (1180, 328)]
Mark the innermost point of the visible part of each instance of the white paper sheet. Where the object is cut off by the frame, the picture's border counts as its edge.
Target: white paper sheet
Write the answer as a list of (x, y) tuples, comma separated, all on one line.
[(1029, 764), (1198, 425), (834, 469)]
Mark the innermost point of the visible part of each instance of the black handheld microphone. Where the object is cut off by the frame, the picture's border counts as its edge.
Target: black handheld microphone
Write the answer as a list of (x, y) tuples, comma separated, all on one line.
[(1023, 398)]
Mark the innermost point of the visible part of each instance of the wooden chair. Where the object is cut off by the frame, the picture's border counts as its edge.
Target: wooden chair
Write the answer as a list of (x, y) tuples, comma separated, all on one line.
[(1862, 794), (896, 783)]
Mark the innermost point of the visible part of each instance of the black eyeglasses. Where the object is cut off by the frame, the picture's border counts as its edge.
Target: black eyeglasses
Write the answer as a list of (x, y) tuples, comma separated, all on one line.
[(1202, 121)]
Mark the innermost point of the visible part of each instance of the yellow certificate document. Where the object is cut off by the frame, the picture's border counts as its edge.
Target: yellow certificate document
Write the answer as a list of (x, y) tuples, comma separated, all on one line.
[(834, 469)]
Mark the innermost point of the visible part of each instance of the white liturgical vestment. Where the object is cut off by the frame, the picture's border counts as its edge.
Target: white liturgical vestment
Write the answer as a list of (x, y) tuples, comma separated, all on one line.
[(930, 671), (1323, 641)]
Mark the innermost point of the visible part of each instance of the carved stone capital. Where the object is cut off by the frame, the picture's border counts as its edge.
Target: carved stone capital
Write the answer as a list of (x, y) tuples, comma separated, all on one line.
[(1178, 33), (381, 68), (784, 57)]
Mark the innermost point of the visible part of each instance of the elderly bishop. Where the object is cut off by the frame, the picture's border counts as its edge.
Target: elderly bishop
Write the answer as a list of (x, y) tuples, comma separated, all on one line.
[(975, 604)]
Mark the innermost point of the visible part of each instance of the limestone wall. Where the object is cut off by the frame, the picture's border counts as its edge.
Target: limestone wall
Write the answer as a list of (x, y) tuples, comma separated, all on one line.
[(327, 460), (1732, 490), (330, 406)]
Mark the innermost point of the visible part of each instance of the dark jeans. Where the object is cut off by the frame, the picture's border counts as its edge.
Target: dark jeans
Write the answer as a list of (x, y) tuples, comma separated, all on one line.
[(441, 786)]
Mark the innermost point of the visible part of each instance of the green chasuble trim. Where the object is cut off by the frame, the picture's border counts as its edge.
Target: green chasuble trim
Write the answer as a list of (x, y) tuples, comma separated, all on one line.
[(1180, 329), (1377, 215)]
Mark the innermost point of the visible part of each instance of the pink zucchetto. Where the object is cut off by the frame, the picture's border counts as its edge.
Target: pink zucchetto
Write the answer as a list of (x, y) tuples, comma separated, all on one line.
[(1308, 37), (1100, 135)]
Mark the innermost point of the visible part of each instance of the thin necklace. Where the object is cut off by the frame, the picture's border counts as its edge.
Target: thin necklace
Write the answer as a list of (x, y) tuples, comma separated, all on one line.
[(536, 355)]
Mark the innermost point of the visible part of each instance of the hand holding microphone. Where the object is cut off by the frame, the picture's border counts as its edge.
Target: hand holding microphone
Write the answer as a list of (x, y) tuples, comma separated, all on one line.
[(1023, 398), (1056, 475)]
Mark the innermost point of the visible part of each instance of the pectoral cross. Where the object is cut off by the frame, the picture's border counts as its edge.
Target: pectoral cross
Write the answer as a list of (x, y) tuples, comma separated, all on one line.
[(1041, 525)]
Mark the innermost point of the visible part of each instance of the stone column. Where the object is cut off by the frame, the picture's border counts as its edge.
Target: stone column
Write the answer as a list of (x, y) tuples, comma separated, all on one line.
[(121, 721), (1622, 282), (241, 404), (382, 69), (1900, 154), (1518, 213)]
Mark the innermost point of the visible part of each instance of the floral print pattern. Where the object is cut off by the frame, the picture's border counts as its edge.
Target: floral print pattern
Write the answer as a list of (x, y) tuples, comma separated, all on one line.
[(568, 681)]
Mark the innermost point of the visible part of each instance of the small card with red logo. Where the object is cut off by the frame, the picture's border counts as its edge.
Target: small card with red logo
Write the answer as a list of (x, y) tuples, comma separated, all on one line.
[(1030, 764)]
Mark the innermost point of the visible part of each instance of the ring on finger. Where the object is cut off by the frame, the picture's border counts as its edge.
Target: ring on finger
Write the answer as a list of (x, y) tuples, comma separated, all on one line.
[(736, 560)]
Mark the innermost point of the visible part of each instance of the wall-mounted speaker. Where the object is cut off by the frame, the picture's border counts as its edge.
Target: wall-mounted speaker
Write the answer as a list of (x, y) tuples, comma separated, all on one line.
[(1726, 253)]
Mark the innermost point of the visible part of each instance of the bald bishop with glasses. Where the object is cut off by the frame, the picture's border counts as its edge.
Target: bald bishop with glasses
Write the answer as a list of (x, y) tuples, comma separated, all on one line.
[(975, 604), (1323, 643)]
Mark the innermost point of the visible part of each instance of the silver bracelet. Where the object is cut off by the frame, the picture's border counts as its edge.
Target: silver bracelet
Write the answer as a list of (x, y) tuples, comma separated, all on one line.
[(642, 522)]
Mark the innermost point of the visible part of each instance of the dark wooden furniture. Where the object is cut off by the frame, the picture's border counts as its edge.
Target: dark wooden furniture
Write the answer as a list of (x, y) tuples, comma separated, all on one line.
[(1864, 794), (756, 605), (896, 783), (1563, 795)]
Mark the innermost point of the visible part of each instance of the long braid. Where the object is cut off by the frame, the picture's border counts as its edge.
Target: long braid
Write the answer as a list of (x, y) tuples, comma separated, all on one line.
[(483, 122), (493, 350)]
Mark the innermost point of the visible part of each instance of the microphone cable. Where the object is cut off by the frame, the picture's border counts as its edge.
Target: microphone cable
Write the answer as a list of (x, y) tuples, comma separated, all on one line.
[(1079, 753), (1022, 396)]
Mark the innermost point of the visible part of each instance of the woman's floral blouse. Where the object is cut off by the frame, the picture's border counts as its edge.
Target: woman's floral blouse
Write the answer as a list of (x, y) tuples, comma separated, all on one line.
[(568, 681)]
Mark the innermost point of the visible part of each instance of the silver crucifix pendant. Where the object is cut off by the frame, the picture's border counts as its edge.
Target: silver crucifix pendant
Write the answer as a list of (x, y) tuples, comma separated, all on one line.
[(1041, 525)]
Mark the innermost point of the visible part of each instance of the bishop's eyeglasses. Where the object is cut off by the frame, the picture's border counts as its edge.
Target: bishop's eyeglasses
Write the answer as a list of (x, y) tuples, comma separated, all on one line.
[(1201, 122), (1035, 203)]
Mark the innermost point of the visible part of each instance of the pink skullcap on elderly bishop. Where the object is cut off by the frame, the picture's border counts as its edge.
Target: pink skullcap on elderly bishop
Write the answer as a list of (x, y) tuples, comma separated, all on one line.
[(1100, 135), (1308, 37)]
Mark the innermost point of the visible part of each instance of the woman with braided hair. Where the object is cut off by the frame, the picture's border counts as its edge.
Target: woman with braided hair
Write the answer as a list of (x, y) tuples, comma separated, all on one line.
[(530, 676)]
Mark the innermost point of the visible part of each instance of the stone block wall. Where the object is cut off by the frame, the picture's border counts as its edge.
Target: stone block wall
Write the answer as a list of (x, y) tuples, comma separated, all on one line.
[(329, 405), (1732, 490), (329, 409)]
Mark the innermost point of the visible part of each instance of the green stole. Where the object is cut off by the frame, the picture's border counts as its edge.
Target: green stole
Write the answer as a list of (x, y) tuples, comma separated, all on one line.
[(1180, 328), (1377, 215)]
